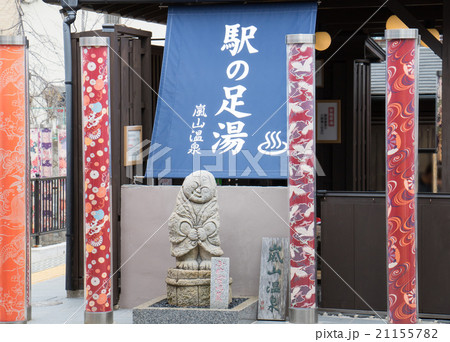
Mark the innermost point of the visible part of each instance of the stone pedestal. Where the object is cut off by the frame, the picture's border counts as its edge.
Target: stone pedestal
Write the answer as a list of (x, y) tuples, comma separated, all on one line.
[(189, 288), (153, 312)]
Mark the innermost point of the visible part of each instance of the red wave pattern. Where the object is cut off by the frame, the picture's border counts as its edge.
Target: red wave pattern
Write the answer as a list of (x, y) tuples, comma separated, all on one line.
[(401, 192)]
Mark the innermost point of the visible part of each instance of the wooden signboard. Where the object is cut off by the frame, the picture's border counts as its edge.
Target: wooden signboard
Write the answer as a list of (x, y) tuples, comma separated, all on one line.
[(273, 282), (328, 121), (132, 145)]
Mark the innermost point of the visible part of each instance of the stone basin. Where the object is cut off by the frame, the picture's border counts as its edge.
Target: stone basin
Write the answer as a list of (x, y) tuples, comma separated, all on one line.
[(154, 312)]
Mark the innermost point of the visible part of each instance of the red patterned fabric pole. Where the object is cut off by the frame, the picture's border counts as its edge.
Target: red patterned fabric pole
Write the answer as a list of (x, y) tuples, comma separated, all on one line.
[(13, 179), (401, 157), (97, 176), (302, 169)]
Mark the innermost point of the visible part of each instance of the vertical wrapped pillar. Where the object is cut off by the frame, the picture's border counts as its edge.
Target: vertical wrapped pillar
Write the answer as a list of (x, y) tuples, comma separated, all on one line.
[(13, 179), (302, 170), (401, 167), (97, 178)]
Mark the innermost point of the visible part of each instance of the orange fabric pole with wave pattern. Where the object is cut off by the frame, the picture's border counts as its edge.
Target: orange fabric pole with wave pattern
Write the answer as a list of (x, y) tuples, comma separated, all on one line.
[(13, 179)]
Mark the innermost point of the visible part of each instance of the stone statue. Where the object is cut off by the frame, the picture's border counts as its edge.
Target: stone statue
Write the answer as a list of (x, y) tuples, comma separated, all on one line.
[(194, 235), (194, 224)]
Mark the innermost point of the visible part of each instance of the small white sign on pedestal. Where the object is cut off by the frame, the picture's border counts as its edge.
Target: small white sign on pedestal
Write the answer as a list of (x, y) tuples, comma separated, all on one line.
[(273, 281), (220, 283)]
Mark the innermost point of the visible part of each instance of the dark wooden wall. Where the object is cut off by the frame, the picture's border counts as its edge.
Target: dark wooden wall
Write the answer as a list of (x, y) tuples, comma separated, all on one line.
[(427, 138), (344, 169), (353, 248), (132, 103), (337, 159)]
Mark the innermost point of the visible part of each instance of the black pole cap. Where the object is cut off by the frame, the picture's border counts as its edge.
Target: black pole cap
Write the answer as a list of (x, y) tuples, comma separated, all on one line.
[(70, 5)]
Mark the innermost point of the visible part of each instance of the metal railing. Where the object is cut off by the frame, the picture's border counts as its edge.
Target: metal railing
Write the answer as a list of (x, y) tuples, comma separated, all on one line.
[(48, 203)]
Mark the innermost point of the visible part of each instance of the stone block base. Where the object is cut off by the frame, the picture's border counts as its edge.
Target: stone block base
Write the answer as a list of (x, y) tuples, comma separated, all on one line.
[(189, 288), (147, 313)]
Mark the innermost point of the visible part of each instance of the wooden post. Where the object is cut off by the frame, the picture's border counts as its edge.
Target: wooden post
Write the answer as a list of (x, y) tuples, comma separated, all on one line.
[(446, 100)]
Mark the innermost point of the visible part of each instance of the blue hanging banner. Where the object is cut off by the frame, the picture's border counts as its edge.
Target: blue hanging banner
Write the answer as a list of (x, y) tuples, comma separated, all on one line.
[(222, 96)]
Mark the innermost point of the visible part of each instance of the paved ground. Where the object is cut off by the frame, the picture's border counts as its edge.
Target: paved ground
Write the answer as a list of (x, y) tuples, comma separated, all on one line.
[(48, 263), (50, 305), (48, 296)]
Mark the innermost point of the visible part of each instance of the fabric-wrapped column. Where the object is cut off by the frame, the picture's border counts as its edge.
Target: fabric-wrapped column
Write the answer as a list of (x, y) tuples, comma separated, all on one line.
[(401, 159), (302, 169), (97, 177), (13, 179)]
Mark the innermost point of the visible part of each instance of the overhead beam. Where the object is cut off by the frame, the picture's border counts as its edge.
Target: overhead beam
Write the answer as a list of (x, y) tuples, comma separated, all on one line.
[(354, 4), (343, 19), (410, 20), (358, 15), (150, 11), (342, 14)]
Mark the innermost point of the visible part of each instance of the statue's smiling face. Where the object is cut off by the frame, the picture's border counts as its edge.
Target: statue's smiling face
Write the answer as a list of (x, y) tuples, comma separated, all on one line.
[(198, 188)]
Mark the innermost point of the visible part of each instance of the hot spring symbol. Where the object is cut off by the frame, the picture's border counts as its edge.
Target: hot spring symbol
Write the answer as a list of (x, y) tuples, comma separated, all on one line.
[(273, 145)]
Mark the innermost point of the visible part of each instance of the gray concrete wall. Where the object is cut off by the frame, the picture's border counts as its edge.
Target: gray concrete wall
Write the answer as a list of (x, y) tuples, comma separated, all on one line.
[(49, 239), (247, 215)]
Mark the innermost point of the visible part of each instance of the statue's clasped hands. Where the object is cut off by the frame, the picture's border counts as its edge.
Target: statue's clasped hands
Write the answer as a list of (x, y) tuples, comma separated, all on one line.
[(196, 234)]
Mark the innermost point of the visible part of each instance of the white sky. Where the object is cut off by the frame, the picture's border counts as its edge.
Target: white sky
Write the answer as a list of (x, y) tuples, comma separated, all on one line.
[(44, 29)]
